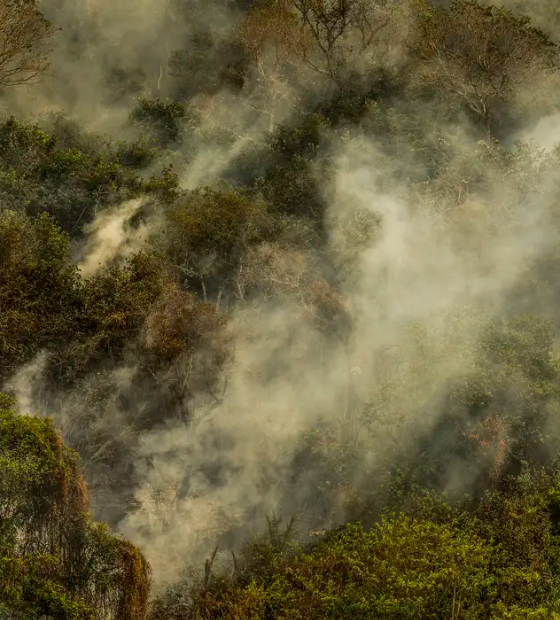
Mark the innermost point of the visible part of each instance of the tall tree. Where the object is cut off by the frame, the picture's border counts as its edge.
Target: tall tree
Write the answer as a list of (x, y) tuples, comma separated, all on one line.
[(266, 34), (25, 36), (479, 56), (338, 34), (332, 39)]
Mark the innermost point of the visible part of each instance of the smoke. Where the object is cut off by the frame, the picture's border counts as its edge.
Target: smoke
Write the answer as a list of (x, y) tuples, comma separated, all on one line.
[(108, 54), (26, 385), (248, 441), (289, 380), (545, 132), (411, 270), (111, 237)]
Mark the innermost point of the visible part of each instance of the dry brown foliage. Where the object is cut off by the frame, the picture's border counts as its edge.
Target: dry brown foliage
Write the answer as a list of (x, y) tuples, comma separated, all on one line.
[(479, 56), (25, 35), (179, 324)]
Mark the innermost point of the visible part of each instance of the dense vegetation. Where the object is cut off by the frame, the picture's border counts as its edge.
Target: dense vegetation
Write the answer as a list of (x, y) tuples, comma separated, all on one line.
[(284, 275), (55, 561)]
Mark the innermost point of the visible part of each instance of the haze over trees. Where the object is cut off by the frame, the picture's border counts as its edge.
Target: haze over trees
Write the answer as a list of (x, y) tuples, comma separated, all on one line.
[(278, 279), (25, 37)]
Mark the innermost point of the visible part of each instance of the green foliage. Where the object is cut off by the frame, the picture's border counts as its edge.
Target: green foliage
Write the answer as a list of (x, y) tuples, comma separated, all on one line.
[(404, 567), (38, 283), (209, 232), (290, 182), (111, 311), (47, 305), (469, 399), (69, 178), (162, 119), (54, 560), (139, 154)]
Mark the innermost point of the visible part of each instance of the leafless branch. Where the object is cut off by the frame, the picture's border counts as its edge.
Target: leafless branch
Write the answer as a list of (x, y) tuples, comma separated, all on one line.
[(24, 42)]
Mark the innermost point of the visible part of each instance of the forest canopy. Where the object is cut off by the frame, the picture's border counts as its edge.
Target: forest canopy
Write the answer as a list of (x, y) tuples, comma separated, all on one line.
[(279, 280)]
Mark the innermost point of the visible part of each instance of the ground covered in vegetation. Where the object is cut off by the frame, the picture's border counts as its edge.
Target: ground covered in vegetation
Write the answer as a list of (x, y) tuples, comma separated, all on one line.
[(279, 279)]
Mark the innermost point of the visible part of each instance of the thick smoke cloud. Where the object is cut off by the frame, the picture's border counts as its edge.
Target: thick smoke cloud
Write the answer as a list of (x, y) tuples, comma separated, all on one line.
[(287, 380), (233, 463)]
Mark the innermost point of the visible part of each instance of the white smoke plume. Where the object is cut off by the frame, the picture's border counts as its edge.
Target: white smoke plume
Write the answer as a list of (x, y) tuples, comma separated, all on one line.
[(287, 380), (26, 385), (109, 237)]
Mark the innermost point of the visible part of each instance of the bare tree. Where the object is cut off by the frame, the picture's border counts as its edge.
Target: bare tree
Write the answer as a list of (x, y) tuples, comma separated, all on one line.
[(338, 34), (24, 42), (333, 38), (267, 36), (479, 55)]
